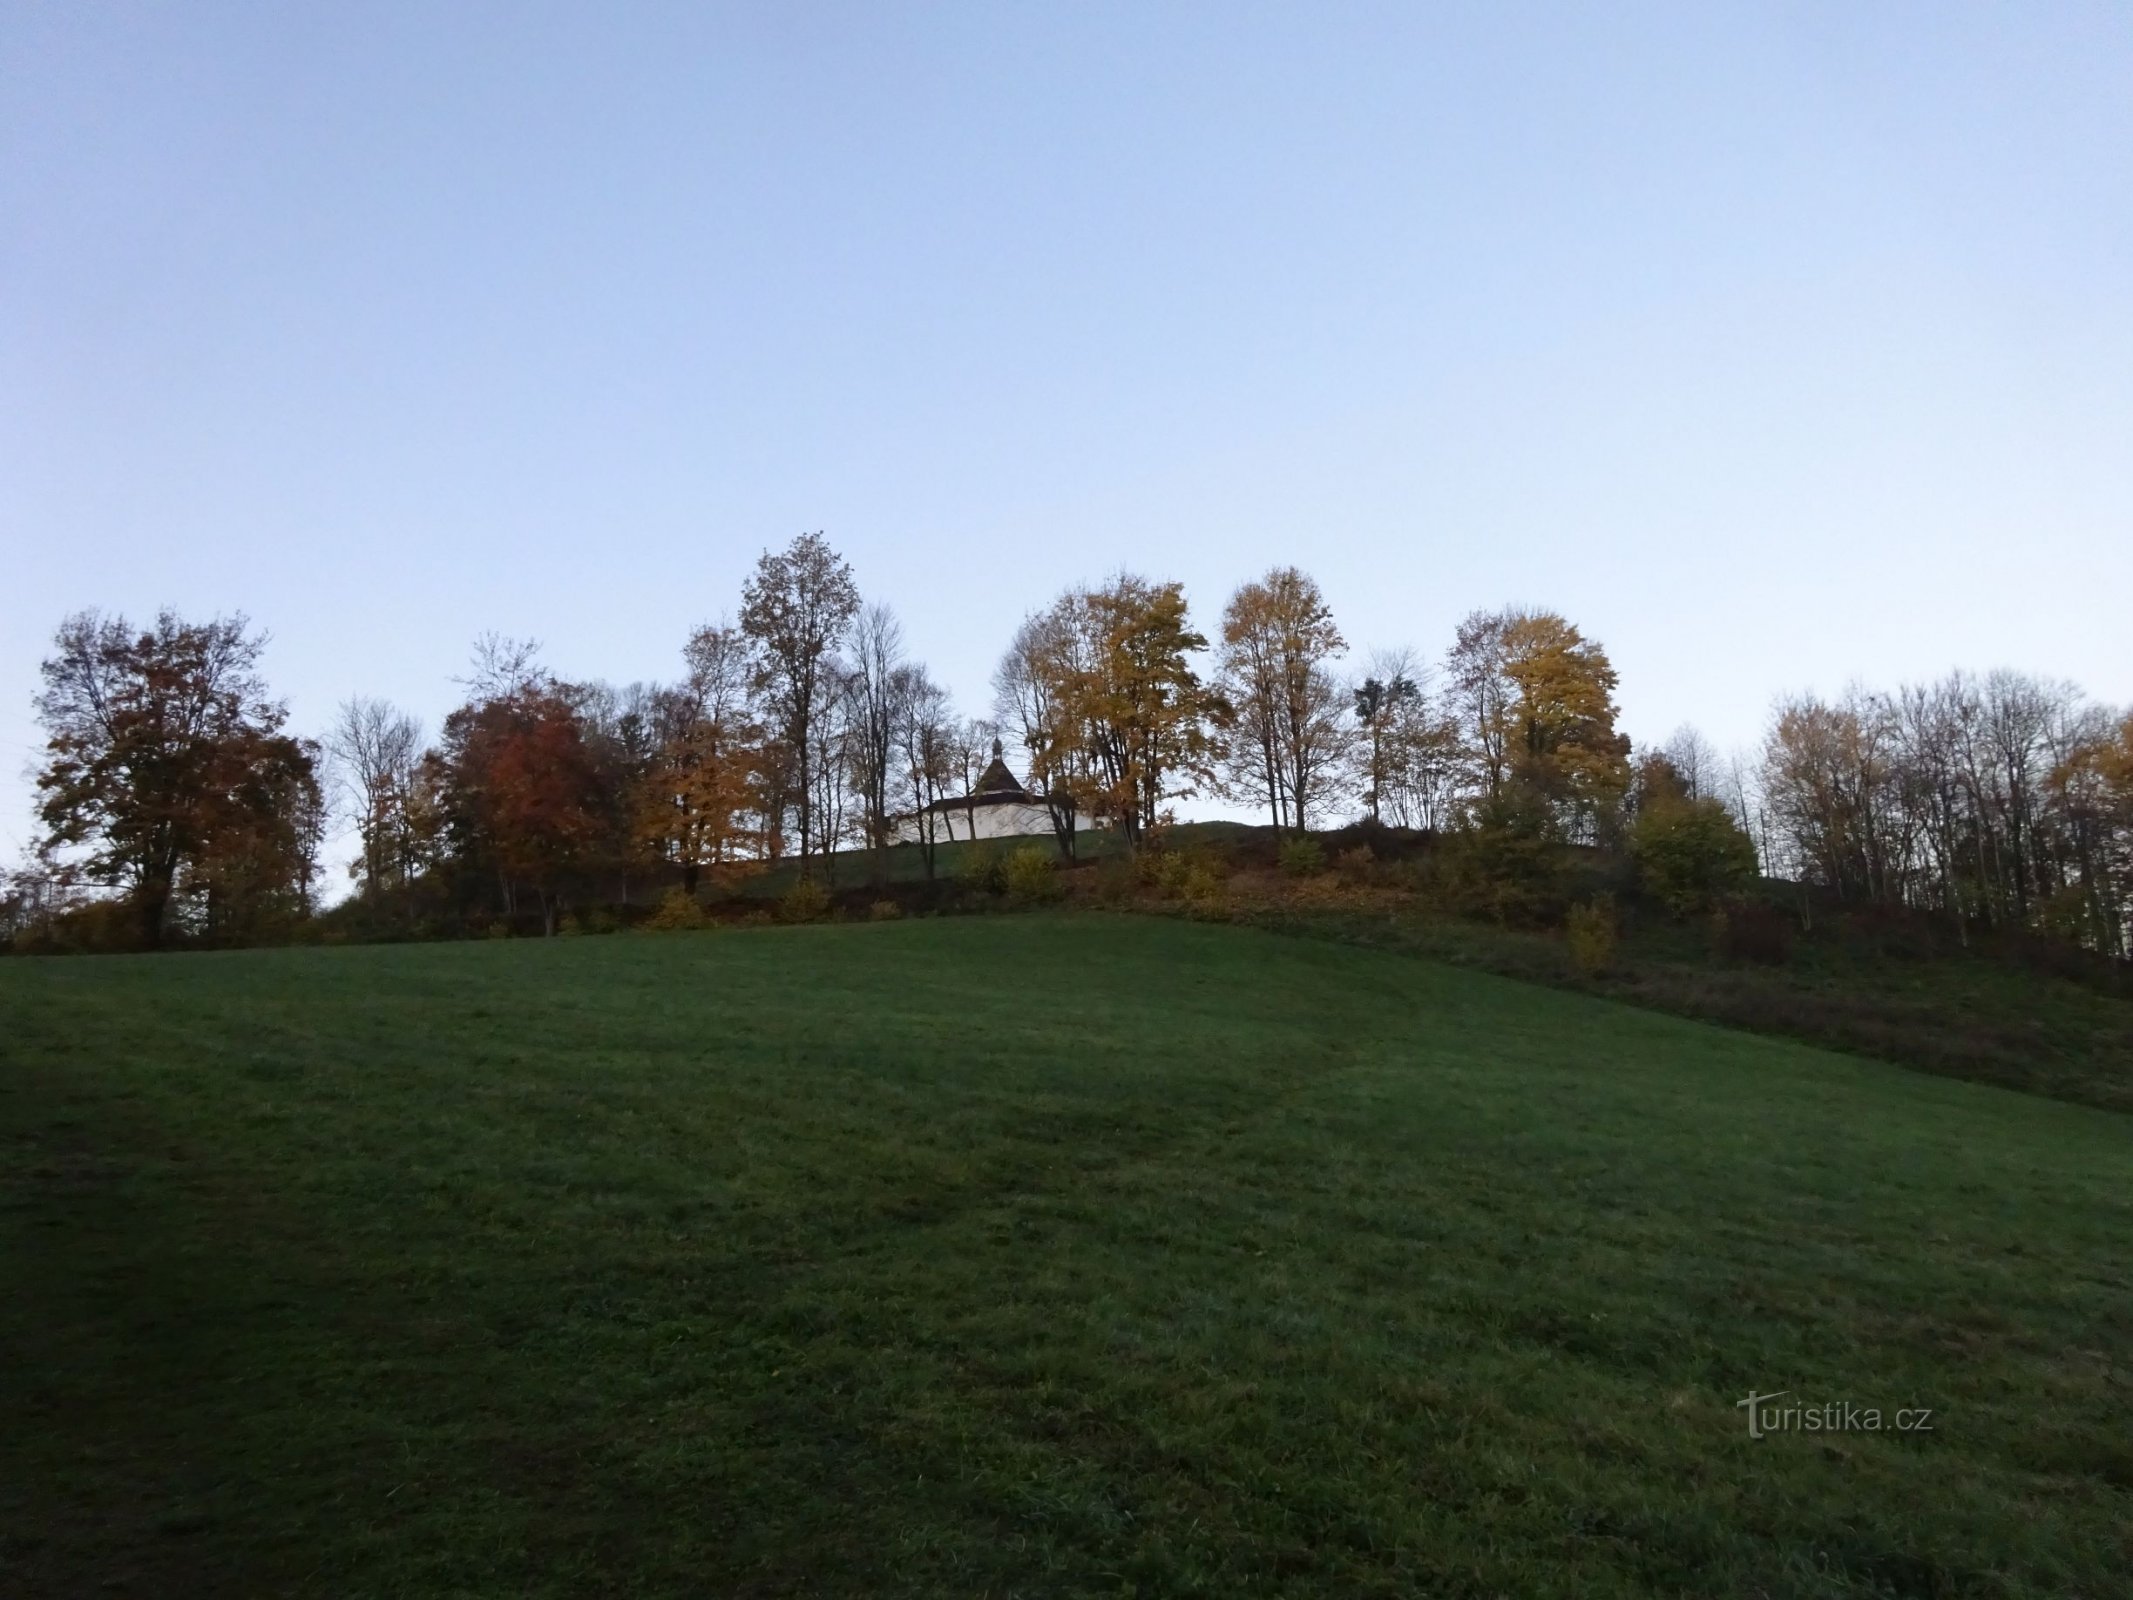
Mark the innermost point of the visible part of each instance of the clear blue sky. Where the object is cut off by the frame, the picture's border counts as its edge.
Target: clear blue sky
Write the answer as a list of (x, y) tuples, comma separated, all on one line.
[(1773, 346)]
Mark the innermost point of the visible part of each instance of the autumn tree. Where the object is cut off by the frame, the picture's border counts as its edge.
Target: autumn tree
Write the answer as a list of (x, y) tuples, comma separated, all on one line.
[(1150, 721), (169, 775), (1563, 719), (1116, 721), (1983, 799), (698, 805), (1288, 737), (522, 792), (795, 609), (1534, 700)]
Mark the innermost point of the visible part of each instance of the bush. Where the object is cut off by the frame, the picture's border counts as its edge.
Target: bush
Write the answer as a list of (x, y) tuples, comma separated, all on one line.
[(677, 910), (1507, 865), (1357, 866), (1201, 885), (1690, 854), (982, 871), (1590, 931), (884, 911), (1302, 857), (805, 901), (1157, 868), (1032, 876)]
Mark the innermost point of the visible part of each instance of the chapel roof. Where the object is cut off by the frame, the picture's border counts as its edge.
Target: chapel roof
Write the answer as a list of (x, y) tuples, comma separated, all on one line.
[(996, 779)]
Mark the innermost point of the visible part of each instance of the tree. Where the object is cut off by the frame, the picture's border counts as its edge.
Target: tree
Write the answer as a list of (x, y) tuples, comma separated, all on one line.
[(1696, 761), (168, 766), (872, 682), (1689, 852), (701, 793), (520, 787), (1383, 702), (1287, 737), (1477, 673), (1035, 695), (795, 610), (926, 741), (1564, 743), (374, 750), (1535, 704), (1141, 712)]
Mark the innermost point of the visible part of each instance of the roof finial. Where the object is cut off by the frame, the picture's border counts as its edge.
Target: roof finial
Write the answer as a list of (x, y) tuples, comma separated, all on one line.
[(999, 750)]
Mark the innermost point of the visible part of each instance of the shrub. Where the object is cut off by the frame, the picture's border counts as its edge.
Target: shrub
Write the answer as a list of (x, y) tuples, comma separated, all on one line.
[(1356, 866), (982, 870), (677, 910), (499, 929), (1590, 932), (1301, 857), (1507, 865), (884, 911), (1156, 867), (1032, 876), (1690, 854), (1201, 885), (805, 901)]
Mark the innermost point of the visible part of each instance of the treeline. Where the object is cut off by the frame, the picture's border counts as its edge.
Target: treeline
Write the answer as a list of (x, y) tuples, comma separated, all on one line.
[(176, 808), (2001, 802)]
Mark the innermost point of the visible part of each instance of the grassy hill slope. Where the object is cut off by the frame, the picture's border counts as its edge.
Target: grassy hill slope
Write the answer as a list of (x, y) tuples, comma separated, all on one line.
[(1033, 1255)]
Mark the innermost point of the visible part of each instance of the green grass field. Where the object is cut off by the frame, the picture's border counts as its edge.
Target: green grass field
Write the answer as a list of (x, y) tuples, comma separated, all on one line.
[(1042, 1255)]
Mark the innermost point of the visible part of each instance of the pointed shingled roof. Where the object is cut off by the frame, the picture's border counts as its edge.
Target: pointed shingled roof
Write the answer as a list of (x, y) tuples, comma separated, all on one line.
[(996, 779)]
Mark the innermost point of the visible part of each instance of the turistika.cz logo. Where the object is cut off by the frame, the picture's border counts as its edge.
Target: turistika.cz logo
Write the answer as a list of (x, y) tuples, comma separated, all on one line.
[(1767, 1416)]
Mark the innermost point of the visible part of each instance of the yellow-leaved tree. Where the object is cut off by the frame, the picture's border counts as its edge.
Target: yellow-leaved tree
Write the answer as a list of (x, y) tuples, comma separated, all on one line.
[(1537, 708), (1116, 721)]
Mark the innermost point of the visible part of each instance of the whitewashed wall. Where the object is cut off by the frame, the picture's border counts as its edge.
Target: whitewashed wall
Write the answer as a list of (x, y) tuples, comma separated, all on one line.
[(992, 822)]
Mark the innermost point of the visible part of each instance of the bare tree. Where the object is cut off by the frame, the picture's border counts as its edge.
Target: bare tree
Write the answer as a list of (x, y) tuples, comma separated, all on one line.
[(1051, 648), (1288, 736), (1482, 692), (373, 749), (926, 740), (1384, 700), (503, 667), (1695, 761), (872, 682)]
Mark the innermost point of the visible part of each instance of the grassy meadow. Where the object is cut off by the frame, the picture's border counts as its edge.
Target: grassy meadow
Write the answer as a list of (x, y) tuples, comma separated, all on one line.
[(1045, 1255)]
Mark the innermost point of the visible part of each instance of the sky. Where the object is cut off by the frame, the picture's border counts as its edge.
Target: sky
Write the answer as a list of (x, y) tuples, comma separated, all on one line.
[(1775, 346)]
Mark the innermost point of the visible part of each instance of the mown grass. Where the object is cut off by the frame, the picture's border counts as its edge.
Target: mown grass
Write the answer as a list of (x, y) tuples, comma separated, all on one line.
[(1041, 1255)]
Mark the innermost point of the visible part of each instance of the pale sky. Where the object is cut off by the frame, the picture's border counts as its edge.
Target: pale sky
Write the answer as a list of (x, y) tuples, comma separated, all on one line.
[(1773, 346)]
